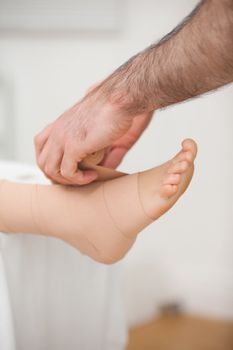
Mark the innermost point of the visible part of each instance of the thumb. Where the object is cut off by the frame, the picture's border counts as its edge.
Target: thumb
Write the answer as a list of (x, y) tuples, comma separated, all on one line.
[(113, 157)]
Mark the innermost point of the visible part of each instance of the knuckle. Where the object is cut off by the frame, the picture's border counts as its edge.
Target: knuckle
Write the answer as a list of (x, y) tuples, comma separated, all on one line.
[(59, 134), (37, 139), (65, 173), (40, 163), (49, 170), (69, 147)]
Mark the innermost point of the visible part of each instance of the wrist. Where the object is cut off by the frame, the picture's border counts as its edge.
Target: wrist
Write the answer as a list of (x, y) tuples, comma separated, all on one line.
[(109, 101), (119, 100), (125, 104), (127, 93)]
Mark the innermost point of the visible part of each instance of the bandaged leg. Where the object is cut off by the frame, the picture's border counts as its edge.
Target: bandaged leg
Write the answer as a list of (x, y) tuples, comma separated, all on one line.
[(102, 219)]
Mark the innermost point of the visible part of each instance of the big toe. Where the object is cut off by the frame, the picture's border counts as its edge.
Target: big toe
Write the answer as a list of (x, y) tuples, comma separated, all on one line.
[(190, 147)]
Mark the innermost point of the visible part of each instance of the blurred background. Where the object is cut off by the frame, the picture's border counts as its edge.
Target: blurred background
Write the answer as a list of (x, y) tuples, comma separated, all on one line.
[(184, 262)]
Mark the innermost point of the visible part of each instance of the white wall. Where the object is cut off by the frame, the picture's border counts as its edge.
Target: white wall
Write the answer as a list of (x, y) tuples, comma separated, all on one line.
[(187, 255)]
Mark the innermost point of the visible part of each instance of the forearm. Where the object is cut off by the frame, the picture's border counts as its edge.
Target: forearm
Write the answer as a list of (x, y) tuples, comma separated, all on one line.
[(194, 58)]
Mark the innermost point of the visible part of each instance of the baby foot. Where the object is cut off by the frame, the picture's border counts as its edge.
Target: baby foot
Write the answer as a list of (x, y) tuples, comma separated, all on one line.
[(161, 187)]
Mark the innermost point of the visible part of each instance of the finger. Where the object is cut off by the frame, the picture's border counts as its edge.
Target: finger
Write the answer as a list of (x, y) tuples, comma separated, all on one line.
[(49, 162), (50, 156), (114, 157), (69, 170), (60, 181), (41, 138)]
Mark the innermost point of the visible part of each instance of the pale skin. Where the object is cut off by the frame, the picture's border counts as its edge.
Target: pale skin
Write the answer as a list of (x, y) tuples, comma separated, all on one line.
[(102, 219), (195, 58)]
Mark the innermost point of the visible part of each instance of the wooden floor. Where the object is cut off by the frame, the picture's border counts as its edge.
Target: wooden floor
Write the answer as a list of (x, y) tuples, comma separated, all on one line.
[(177, 332)]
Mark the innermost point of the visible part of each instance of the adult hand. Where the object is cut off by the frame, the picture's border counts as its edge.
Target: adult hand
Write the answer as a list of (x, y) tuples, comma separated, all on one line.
[(89, 126)]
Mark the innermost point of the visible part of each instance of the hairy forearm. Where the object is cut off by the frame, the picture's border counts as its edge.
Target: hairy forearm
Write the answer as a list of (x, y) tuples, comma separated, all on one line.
[(194, 58)]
